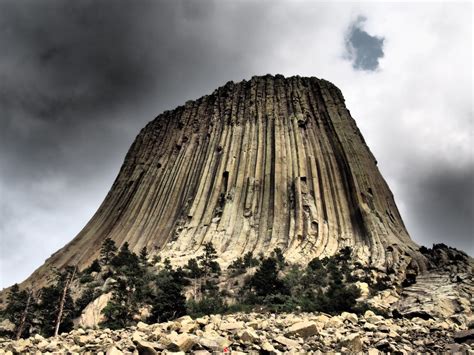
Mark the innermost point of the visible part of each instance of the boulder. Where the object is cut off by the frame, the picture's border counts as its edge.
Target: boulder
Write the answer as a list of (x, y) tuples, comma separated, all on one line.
[(213, 341), (369, 327), (37, 338), (334, 322), (248, 336), (287, 342), (352, 342), (113, 351), (464, 336), (182, 342), (6, 326), (145, 347), (351, 317), (92, 315), (304, 329), (363, 288), (231, 326), (266, 346), (142, 326)]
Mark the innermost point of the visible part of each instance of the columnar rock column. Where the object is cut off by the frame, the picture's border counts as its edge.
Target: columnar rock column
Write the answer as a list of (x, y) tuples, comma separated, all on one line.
[(270, 162)]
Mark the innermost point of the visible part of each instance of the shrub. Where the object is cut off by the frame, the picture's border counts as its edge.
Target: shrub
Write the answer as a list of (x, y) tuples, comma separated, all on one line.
[(206, 306)]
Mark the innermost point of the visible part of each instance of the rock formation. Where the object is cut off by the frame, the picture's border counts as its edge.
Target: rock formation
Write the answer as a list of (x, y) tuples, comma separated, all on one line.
[(269, 162)]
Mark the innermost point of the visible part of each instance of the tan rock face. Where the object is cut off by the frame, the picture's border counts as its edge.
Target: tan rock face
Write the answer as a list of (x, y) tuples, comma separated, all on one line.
[(92, 315), (270, 162)]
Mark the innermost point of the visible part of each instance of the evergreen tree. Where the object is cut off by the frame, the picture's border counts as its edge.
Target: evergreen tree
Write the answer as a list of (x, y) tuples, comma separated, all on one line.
[(237, 267), (265, 281), (208, 260), (107, 251), (169, 302), (55, 303), (94, 267), (279, 257), (20, 310), (249, 260), (194, 272), (87, 296), (127, 262), (144, 256), (208, 270), (121, 307)]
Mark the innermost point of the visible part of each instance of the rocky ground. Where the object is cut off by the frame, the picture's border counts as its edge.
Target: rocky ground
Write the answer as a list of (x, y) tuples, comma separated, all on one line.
[(263, 333)]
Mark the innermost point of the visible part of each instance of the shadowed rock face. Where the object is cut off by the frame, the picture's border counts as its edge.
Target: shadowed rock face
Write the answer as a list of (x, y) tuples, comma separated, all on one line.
[(270, 162)]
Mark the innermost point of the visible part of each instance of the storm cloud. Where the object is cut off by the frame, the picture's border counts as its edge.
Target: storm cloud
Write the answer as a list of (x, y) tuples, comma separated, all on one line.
[(78, 80)]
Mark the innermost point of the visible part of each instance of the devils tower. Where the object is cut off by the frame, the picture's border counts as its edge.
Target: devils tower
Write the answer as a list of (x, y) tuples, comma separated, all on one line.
[(269, 162)]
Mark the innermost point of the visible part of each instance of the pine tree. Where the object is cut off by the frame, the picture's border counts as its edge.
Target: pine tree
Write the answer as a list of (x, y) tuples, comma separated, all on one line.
[(107, 251), (71, 272), (56, 304), (249, 260), (279, 257), (121, 308), (169, 302), (194, 272), (94, 267), (208, 269), (127, 262), (144, 256), (20, 310), (208, 260), (265, 281)]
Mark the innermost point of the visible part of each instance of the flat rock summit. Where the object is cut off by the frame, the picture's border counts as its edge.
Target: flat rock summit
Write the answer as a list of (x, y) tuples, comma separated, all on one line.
[(269, 162)]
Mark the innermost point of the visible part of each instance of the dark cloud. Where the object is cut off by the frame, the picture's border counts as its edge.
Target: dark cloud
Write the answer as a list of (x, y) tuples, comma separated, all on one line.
[(97, 71), (440, 206), (362, 49)]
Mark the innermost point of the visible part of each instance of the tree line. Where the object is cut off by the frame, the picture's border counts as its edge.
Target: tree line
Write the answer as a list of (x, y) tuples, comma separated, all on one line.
[(273, 284)]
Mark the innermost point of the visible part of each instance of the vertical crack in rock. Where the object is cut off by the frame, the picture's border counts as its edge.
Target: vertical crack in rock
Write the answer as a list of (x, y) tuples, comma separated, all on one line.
[(270, 162)]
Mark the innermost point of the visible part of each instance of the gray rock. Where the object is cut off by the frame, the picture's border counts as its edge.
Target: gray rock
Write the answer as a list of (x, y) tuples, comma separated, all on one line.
[(464, 336)]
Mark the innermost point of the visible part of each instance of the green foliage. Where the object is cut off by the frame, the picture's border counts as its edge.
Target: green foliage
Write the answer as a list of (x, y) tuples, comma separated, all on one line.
[(193, 270), (265, 281), (156, 259), (144, 256), (277, 254), (121, 308), (16, 305), (237, 267), (208, 260), (205, 271), (249, 260), (381, 284), (94, 267), (49, 304), (107, 251), (321, 286), (206, 306), (126, 261), (339, 298), (86, 279), (241, 264), (169, 302), (86, 297), (132, 288)]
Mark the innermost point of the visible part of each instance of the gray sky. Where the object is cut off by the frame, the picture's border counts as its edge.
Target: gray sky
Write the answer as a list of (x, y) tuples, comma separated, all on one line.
[(78, 80)]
